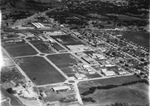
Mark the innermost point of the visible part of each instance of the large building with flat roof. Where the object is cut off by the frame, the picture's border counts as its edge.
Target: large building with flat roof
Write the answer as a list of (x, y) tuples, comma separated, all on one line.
[(63, 88)]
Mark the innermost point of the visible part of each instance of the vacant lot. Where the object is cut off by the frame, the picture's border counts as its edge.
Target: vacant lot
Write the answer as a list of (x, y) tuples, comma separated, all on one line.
[(67, 40), (42, 47), (40, 71), (63, 60), (21, 49)]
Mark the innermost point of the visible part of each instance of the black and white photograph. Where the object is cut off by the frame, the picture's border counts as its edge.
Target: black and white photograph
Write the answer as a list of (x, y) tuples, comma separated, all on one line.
[(74, 52)]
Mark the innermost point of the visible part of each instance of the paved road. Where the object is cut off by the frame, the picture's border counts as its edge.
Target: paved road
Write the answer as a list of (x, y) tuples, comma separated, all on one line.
[(23, 73), (78, 96), (47, 60)]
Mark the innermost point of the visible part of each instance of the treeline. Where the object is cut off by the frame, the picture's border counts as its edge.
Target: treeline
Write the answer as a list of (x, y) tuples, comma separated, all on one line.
[(125, 104), (92, 89), (100, 7)]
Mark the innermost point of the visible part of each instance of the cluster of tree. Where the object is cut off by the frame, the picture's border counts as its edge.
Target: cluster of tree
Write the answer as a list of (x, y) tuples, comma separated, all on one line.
[(100, 7), (64, 17), (88, 99), (125, 104), (92, 89)]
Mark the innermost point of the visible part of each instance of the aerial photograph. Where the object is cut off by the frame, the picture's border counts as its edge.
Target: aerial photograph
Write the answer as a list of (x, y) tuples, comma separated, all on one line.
[(74, 52)]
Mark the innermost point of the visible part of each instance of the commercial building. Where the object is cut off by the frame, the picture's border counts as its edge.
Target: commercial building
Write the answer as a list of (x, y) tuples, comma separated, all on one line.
[(78, 48), (108, 73), (63, 88), (80, 76), (43, 38), (89, 60), (38, 25), (54, 33)]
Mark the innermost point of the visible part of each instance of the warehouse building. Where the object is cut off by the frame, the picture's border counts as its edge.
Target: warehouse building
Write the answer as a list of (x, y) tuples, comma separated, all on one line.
[(58, 89)]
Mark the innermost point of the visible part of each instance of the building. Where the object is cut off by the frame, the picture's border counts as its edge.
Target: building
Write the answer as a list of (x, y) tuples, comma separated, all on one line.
[(38, 25), (78, 47), (26, 92), (100, 56), (122, 72), (89, 60), (43, 38), (58, 89), (54, 33), (80, 76), (108, 73), (28, 34)]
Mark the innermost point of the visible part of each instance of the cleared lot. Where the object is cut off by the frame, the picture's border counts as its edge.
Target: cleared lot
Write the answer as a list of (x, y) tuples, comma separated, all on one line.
[(40, 71), (63, 60)]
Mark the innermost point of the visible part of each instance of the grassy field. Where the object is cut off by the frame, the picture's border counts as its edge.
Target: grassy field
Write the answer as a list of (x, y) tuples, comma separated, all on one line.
[(136, 94), (67, 40), (42, 47), (63, 60), (109, 81), (68, 71), (40, 71), (140, 38), (21, 49)]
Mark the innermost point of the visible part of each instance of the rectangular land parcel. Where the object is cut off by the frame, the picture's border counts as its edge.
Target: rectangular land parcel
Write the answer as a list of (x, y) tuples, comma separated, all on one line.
[(21, 49), (40, 71), (63, 60)]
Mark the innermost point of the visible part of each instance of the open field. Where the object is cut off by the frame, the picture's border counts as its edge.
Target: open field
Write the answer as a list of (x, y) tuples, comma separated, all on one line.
[(40, 71), (42, 47), (21, 49), (140, 38), (67, 40), (14, 100), (63, 60), (108, 81), (68, 71), (135, 94)]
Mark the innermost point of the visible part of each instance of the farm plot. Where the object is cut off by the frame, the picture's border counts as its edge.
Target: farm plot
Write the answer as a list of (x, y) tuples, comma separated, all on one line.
[(21, 49), (40, 71)]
